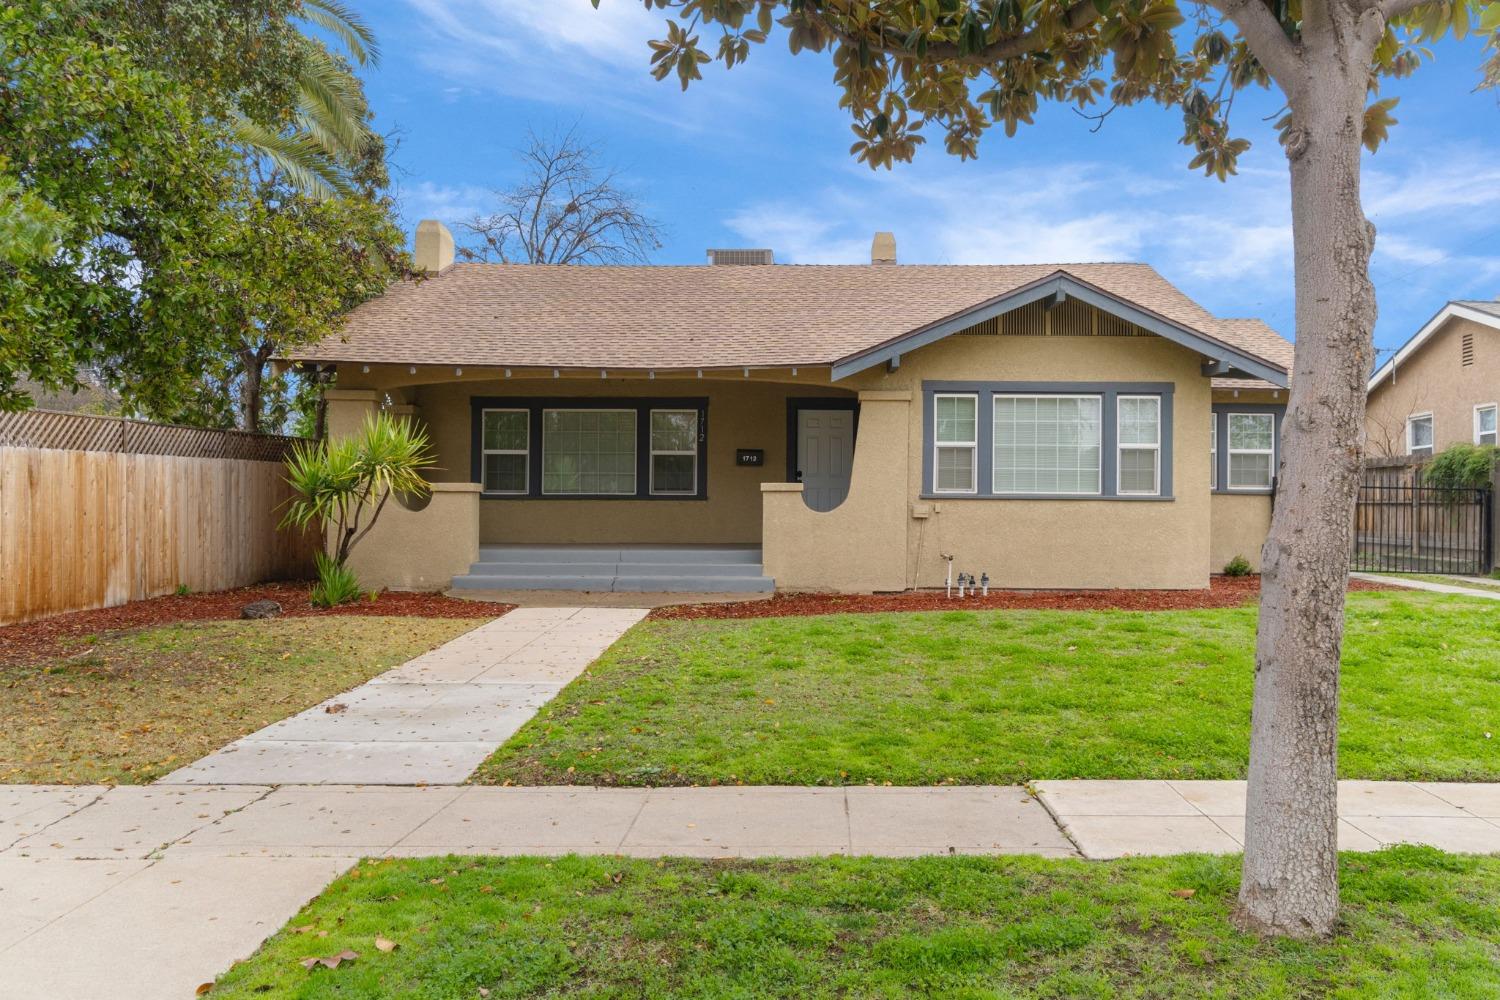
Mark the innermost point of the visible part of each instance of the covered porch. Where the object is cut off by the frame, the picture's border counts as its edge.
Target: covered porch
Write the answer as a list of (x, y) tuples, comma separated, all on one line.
[(628, 482)]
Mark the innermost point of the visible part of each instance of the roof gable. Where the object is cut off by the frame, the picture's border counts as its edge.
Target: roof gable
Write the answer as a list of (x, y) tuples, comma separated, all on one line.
[(1485, 313), (1224, 358)]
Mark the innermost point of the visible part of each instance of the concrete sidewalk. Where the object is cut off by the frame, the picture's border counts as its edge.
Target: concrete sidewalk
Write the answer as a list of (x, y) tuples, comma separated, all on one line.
[(146, 892), (432, 720), (1428, 585)]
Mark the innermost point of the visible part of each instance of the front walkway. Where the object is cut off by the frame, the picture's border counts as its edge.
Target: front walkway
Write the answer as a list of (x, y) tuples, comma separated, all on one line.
[(430, 721)]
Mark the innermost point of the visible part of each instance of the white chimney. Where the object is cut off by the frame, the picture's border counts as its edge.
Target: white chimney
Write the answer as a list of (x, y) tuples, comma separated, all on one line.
[(883, 249), (433, 247)]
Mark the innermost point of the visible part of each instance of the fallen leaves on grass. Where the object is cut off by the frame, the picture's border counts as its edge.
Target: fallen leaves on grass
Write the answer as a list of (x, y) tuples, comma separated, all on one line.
[(385, 944), (330, 961)]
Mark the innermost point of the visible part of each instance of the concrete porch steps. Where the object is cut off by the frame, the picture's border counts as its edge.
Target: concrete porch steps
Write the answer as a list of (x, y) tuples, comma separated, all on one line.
[(619, 568)]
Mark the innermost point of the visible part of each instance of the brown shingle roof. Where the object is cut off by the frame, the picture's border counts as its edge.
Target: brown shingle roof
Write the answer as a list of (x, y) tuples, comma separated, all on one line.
[(1259, 339), (708, 317)]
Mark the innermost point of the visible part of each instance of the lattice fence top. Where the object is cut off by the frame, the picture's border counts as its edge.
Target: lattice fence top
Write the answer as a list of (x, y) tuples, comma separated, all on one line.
[(87, 432)]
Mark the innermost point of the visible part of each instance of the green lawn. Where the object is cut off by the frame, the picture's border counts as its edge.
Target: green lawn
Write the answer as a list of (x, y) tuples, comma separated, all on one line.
[(1002, 697), (128, 708), (1416, 924)]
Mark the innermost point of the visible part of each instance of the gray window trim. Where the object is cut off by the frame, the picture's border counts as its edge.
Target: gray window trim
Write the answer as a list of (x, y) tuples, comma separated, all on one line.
[(1108, 438), (1221, 460)]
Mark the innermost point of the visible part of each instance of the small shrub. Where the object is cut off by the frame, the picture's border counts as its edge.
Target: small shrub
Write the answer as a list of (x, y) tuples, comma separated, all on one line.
[(336, 584), (1462, 466), (1238, 566), (183, 590)]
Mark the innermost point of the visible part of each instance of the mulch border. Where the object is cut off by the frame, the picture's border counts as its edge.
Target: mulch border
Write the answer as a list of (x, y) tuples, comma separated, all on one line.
[(1222, 592), (31, 641)]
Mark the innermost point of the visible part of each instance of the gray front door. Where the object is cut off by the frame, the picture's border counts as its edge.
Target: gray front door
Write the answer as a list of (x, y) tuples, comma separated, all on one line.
[(825, 451)]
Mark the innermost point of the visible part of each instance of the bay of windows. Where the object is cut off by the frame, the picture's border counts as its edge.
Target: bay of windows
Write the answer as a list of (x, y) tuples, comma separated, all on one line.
[(647, 449)]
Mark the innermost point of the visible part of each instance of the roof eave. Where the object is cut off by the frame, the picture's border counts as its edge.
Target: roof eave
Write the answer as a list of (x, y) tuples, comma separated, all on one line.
[(1065, 285), (1452, 310)]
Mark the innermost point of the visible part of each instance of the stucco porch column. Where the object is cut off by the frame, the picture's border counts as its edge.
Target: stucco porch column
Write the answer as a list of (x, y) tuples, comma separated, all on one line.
[(417, 543), (861, 544)]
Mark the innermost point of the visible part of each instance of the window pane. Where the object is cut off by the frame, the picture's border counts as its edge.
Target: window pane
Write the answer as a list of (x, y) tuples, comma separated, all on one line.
[(1421, 433), (1252, 431), (588, 451), (1139, 418), (674, 430), (1250, 470), (955, 469), (1487, 421), (955, 418), (1046, 444), (505, 473), (1138, 470), (505, 430), (673, 473)]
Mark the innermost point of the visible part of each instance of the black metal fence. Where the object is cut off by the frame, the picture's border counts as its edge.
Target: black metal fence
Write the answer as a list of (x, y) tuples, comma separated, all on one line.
[(1401, 528)]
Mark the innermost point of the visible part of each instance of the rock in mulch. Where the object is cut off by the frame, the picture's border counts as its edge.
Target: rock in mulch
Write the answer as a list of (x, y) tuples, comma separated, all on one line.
[(260, 609)]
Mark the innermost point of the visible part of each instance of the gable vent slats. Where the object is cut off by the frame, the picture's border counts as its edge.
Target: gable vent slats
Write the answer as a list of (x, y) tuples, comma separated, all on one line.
[(1466, 350)]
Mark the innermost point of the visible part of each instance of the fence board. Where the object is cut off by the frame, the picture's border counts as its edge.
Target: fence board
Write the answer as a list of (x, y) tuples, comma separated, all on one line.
[(91, 529)]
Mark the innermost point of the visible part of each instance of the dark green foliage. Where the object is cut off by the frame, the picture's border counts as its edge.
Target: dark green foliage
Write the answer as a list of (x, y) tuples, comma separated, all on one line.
[(1238, 566), (1462, 466)]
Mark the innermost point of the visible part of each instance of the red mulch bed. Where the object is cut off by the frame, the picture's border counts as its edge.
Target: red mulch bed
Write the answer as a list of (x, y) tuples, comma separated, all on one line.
[(31, 641), (1222, 592)]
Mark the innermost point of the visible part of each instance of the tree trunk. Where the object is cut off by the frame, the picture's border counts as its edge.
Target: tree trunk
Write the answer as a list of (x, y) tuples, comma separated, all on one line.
[(1290, 877), (253, 361)]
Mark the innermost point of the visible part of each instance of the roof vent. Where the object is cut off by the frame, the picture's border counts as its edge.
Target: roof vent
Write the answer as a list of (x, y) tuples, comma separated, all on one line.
[(741, 257)]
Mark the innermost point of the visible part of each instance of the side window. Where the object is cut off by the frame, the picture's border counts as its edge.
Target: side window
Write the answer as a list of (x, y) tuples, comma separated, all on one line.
[(956, 443)]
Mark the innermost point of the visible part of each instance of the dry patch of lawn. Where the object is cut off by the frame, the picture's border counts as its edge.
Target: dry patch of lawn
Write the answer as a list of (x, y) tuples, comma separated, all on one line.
[(130, 707)]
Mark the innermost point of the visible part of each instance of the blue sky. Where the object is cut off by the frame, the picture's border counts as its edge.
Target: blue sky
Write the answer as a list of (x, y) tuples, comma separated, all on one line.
[(759, 157)]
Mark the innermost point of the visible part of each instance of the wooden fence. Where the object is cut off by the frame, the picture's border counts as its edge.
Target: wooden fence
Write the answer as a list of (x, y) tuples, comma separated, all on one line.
[(1403, 525), (91, 525)]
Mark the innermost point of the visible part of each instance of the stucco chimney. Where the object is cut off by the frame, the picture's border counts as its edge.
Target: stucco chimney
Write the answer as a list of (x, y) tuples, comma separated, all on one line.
[(883, 249), (433, 248)]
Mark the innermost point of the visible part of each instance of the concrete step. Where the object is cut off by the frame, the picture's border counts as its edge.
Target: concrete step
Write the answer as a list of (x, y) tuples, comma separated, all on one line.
[(499, 568), (620, 554), (675, 583)]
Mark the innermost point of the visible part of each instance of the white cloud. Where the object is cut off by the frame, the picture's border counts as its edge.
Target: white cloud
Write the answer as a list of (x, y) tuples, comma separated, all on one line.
[(1444, 183), (449, 204)]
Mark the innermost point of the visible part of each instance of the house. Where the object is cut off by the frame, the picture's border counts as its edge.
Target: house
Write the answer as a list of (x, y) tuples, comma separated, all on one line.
[(841, 428), (1441, 387)]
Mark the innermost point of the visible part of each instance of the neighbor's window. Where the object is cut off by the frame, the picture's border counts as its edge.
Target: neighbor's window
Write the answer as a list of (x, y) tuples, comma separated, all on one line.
[(1252, 450), (588, 452), (674, 451), (1047, 444), (1140, 445), (1213, 451), (1419, 434), (506, 455), (956, 421), (1484, 424)]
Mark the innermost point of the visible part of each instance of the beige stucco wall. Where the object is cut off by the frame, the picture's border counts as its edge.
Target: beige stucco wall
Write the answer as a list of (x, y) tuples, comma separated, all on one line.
[(1019, 543), (859, 545), (410, 549), (1240, 523), (750, 413), (1433, 381)]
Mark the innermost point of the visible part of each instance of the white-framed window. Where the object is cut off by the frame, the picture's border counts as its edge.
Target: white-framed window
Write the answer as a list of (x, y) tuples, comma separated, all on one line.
[(1419, 434), (955, 443), (505, 451), (1252, 450), (1047, 444), (674, 452), (1484, 424), (588, 452), (1138, 469), (1213, 451)]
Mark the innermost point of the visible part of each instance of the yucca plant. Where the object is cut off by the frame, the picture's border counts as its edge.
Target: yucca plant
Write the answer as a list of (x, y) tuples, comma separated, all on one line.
[(336, 584), (343, 485)]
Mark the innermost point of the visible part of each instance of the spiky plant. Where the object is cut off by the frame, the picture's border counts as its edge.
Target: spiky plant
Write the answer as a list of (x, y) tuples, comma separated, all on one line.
[(337, 483)]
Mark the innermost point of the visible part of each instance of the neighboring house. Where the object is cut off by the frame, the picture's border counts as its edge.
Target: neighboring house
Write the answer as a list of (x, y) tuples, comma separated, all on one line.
[(1048, 425), (1442, 387)]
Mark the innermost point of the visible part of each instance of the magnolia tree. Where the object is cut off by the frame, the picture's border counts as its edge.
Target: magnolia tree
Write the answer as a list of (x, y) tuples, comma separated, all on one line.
[(953, 68)]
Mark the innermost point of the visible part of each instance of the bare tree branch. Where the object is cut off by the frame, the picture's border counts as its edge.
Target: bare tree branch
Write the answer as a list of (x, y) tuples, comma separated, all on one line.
[(566, 210)]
